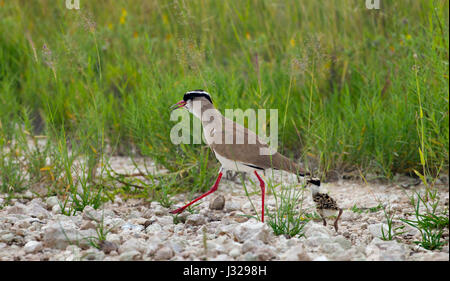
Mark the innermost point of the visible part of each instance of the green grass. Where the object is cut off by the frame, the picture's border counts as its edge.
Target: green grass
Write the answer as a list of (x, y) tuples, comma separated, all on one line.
[(430, 223), (289, 217), (352, 86)]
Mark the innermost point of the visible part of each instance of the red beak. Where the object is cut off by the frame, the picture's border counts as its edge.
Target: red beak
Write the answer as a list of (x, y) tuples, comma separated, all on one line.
[(179, 104)]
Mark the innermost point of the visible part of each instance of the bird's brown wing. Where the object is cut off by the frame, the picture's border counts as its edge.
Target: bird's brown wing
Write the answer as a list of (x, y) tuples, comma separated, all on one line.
[(249, 152)]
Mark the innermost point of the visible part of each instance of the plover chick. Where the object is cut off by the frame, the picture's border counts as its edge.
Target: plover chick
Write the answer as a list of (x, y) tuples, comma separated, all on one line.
[(325, 205)]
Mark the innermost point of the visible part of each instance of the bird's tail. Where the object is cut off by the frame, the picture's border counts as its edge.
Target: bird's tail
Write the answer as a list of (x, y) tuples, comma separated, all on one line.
[(283, 163)]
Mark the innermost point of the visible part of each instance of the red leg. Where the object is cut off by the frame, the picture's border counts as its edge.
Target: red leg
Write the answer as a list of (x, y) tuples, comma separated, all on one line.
[(214, 188), (263, 192)]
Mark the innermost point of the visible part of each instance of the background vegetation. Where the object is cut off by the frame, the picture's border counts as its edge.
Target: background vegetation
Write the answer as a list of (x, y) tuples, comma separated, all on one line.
[(356, 89)]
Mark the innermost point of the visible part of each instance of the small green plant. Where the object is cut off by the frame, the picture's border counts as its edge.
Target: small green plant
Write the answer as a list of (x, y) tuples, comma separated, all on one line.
[(361, 210), (430, 225), (289, 217), (392, 231), (97, 241)]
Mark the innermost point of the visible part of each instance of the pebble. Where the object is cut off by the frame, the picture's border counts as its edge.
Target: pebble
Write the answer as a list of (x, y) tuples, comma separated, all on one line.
[(164, 253), (217, 203), (196, 220), (130, 255), (32, 247)]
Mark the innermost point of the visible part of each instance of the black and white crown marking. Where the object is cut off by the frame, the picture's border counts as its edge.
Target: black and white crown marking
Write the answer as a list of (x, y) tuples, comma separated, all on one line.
[(195, 94)]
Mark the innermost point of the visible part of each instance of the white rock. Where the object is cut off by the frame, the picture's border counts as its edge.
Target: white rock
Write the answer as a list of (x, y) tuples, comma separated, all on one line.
[(7, 237), (334, 250), (235, 252), (130, 255), (56, 209), (128, 227), (252, 230), (132, 244), (297, 253), (152, 245), (18, 208), (195, 219), (375, 229), (113, 238), (32, 247), (37, 211), (89, 213), (158, 209), (52, 201), (265, 254), (344, 243), (320, 258), (60, 235), (154, 228), (318, 240), (221, 257), (313, 229), (164, 253), (165, 220), (251, 245), (231, 206), (93, 254), (379, 250)]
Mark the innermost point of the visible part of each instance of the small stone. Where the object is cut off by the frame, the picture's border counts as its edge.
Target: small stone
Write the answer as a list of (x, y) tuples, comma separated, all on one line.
[(297, 253), (376, 229), (344, 243), (108, 247), (89, 213), (195, 220), (235, 252), (221, 257), (56, 209), (93, 254), (132, 244), (88, 225), (32, 247), (252, 230), (165, 220), (18, 208), (265, 254), (231, 206), (148, 222), (153, 229), (60, 235), (321, 258), (218, 203), (164, 253), (51, 202), (7, 238), (132, 227), (130, 255), (379, 250)]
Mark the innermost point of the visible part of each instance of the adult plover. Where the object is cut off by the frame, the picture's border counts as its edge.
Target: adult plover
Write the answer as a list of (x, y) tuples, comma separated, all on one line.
[(235, 147)]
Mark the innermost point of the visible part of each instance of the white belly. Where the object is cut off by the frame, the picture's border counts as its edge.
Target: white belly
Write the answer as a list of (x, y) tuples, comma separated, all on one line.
[(228, 164)]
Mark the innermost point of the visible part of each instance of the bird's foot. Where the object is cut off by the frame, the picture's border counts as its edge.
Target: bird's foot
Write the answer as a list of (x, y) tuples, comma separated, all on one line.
[(178, 211), (336, 226)]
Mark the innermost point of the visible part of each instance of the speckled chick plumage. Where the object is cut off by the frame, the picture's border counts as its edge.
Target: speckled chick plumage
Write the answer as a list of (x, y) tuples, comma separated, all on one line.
[(326, 206)]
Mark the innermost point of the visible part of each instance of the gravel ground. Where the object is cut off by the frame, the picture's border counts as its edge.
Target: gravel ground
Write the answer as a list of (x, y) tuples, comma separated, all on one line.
[(34, 228)]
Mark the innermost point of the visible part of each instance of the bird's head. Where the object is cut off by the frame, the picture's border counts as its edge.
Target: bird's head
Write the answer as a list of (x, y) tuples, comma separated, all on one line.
[(313, 184), (190, 97)]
